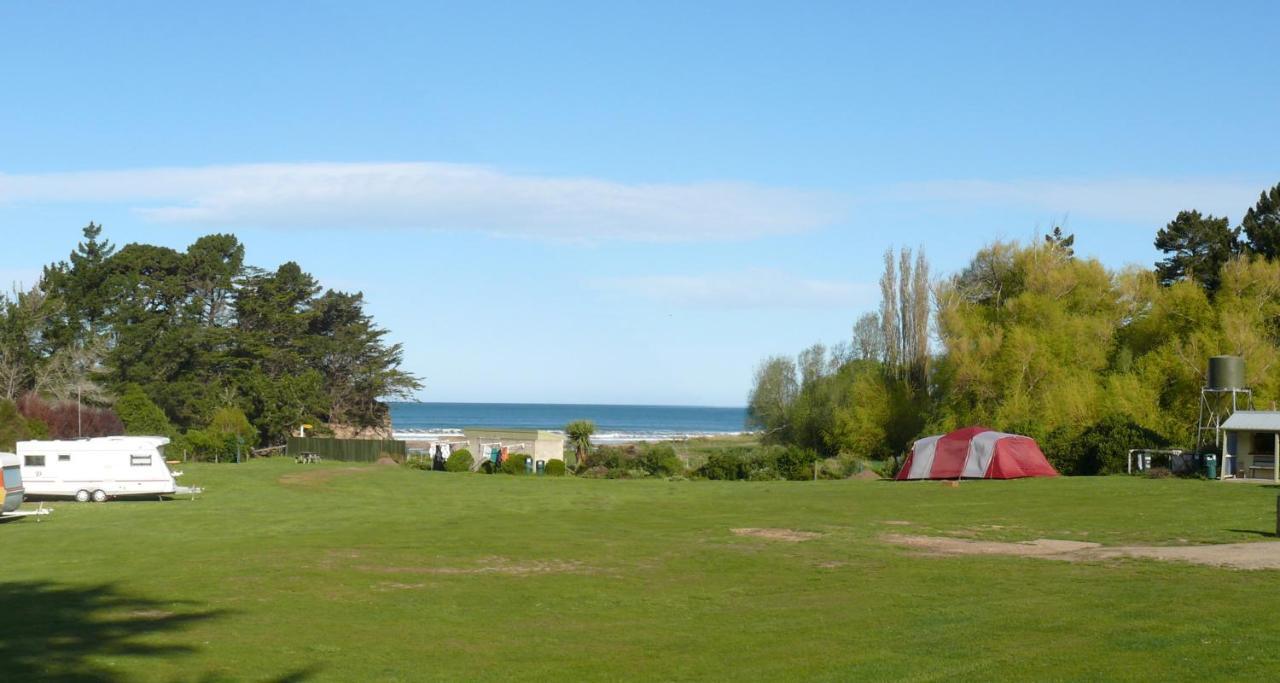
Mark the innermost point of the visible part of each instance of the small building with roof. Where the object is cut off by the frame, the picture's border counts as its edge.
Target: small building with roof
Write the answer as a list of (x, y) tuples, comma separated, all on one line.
[(1251, 444), (492, 444)]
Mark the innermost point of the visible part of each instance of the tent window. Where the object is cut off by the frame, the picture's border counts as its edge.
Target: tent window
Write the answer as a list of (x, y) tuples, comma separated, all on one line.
[(140, 460), (1264, 443), (33, 461), (63, 457)]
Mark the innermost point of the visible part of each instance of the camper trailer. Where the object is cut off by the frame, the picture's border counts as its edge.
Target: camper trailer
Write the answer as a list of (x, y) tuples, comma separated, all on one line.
[(98, 469), (11, 466), (13, 490)]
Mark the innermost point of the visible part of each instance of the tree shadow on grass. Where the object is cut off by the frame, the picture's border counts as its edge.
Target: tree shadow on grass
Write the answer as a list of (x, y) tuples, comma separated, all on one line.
[(1255, 532), (57, 632)]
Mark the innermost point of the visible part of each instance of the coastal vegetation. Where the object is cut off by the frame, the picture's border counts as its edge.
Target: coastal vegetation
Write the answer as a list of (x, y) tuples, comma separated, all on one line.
[(196, 345), (1032, 338)]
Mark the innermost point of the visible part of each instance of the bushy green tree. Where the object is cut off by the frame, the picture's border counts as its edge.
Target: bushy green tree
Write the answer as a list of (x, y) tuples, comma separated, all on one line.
[(140, 415), (1035, 340), (231, 423), (772, 397)]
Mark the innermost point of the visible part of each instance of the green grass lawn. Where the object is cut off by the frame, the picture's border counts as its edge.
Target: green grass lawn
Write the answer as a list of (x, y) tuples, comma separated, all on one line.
[(354, 573)]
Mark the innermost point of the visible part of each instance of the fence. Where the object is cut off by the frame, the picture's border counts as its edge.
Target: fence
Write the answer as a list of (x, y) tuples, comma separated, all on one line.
[(346, 450)]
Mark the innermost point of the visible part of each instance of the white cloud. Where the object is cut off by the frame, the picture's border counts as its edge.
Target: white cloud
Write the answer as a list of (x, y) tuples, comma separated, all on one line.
[(435, 196), (750, 289), (1143, 200)]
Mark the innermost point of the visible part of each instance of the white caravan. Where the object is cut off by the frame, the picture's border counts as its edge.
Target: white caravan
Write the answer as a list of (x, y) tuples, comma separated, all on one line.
[(98, 469)]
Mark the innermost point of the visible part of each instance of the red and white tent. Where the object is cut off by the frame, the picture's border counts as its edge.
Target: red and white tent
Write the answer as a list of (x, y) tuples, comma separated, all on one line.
[(976, 453)]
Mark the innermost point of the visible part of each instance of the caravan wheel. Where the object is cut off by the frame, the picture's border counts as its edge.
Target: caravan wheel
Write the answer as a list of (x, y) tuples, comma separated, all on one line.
[(99, 496), (82, 496)]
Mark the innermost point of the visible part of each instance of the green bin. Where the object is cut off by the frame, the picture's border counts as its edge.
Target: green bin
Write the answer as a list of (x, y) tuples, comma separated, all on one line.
[(1211, 466)]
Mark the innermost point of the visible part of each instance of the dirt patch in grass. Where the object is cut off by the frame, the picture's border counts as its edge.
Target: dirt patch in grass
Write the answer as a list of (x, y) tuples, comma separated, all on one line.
[(866, 475), (495, 565), (942, 545), (386, 460), (896, 522), (318, 476), (1260, 555), (787, 535)]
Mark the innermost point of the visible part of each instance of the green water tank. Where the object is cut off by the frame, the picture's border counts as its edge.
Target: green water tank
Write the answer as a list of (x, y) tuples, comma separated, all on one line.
[(1226, 372)]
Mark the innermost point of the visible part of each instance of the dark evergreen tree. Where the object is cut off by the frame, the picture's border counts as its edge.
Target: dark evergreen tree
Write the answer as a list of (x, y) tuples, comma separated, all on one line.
[(1261, 225), (1197, 247), (77, 286), (198, 334)]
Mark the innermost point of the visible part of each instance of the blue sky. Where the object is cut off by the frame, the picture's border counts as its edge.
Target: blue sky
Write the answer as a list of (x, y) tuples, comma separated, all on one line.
[(624, 202)]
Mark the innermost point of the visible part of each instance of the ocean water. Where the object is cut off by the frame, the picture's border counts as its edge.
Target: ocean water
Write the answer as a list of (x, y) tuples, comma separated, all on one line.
[(614, 423)]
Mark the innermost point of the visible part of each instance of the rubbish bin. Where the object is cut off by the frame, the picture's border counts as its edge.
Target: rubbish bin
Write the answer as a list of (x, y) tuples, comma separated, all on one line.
[(528, 464), (1211, 466), (542, 467)]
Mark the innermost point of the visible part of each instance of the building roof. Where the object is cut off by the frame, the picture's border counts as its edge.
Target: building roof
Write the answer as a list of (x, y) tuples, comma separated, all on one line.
[(504, 433), (1253, 420)]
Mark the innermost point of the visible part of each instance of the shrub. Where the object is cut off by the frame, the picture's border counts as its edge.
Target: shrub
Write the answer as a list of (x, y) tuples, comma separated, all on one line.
[(65, 420), (1100, 448), (643, 459), (660, 460), (487, 467), (206, 444), (846, 465), (734, 464), (555, 468), (796, 463), (608, 457), (515, 463), (460, 461), (889, 469), (763, 474), (725, 466), (419, 464)]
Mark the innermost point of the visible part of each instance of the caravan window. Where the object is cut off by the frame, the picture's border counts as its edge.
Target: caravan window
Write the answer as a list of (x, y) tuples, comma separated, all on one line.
[(140, 460), (33, 461), (63, 457), (12, 477)]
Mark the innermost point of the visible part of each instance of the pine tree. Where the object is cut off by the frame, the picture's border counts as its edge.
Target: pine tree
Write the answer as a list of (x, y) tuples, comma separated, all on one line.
[(1198, 247), (1261, 224), (1058, 240)]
